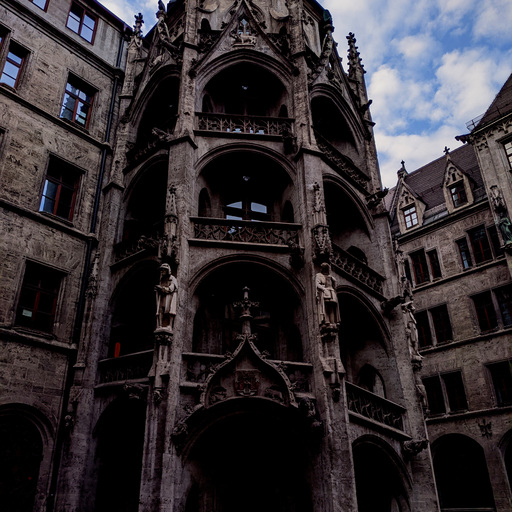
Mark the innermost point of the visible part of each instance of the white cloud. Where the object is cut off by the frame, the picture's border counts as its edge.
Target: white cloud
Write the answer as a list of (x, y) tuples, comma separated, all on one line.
[(493, 20)]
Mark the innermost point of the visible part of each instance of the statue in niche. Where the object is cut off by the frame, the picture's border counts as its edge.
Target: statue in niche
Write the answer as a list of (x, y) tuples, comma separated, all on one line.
[(166, 299), (411, 330), (327, 300)]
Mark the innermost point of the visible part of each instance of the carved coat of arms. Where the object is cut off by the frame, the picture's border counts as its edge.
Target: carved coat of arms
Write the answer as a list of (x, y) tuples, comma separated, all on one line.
[(247, 382)]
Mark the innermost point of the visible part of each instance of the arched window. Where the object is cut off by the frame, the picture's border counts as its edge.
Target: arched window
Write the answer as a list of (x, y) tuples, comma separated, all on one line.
[(370, 379), (204, 204), (21, 452), (288, 212), (461, 474)]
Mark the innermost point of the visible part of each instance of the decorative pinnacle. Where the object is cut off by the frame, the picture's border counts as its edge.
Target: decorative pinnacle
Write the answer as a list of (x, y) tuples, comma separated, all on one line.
[(402, 171), (137, 28), (446, 150), (354, 59)]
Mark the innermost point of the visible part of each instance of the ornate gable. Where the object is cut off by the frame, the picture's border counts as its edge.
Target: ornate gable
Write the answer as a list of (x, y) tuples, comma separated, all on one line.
[(410, 209), (456, 186)]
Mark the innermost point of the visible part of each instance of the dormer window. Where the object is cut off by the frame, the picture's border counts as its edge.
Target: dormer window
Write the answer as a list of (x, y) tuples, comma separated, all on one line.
[(508, 151), (458, 193), (410, 216)]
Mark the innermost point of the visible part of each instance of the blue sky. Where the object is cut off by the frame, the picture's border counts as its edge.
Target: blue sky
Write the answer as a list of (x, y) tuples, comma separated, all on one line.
[(432, 66)]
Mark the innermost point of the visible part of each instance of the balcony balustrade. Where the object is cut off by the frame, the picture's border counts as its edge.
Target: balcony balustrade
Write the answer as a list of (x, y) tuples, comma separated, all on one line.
[(236, 124), (374, 407), (227, 230), (356, 269), (341, 163), (153, 242), (125, 368)]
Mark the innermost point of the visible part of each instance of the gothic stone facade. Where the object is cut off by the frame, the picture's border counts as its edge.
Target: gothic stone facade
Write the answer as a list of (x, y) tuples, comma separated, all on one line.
[(450, 219), (241, 339)]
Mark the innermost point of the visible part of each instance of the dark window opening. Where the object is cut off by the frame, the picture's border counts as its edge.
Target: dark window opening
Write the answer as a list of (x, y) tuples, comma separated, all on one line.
[(435, 395), (60, 189), (424, 334), (504, 298), (465, 255), (495, 241), (485, 311), (501, 374), (480, 244), (13, 65), (455, 391), (442, 326), (38, 297), (435, 267), (419, 265)]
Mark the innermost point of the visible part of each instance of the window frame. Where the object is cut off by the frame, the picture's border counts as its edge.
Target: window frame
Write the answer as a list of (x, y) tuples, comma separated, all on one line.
[(84, 12), (493, 377), (479, 243), (458, 194), (81, 87), (62, 167), (38, 291), (410, 214), (507, 146), (444, 393), (491, 320), (7, 47), (46, 2), (420, 269), (434, 264), (429, 328)]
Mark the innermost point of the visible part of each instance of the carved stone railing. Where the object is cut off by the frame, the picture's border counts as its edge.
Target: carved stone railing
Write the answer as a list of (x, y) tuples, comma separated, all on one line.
[(128, 367), (226, 230), (231, 123), (343, 164), (197, 367), (150, 242), (374, 407), (356, 269)]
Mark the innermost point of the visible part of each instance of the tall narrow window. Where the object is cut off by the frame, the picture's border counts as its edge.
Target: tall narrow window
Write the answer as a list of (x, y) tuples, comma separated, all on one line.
[(435, 395), (480, 244), (465, 255), (60, 189), (435, 267), (508, 152), (501, 374), (81, 22), (442, 326), (485, 311), (504, 298), (419, 265), (38, 298), (76, 106), (410, 217), (424, 334), (13, 65), (455, 391)]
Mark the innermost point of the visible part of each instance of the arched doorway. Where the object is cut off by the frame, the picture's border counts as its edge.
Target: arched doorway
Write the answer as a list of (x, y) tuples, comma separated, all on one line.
[(120, 435), (461, 474), (379, 484), (253, 459), (21, 452)]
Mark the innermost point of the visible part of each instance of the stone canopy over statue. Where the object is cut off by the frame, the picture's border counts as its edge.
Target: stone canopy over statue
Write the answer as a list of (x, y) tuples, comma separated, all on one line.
[(166, 299), (326, 297)]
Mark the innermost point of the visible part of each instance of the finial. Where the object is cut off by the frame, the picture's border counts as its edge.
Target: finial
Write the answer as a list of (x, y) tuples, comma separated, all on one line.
[(402, 171), (446, 150), (354, 58)]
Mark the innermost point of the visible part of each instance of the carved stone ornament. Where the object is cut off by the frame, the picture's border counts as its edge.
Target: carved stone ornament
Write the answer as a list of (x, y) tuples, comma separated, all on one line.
[(411, 330), (327, 298), (243, 35), (135, 391), (412, 448), (166, 300), (485, 428)]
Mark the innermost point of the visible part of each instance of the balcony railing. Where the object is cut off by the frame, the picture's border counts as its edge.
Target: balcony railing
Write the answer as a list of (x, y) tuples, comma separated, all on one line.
[(150, 242), (374, 407), (256, 125), (343, 164), (356, 269), (226, 230), (128, 367)]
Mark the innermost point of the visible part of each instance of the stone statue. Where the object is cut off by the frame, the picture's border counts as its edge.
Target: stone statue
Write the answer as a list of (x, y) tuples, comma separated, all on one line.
[(166, 299), (505, 229), (327, 300), (411, 330)]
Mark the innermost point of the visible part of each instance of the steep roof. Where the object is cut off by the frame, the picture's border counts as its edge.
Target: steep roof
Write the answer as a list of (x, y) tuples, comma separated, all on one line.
[(427, 184), (501, 105)]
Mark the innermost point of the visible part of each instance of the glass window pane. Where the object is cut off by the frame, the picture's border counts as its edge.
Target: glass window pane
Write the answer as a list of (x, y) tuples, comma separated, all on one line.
[(40, 3), (455, 391), (10, 74), (68, 107), (258, 207), (73, 22), (434, 395)]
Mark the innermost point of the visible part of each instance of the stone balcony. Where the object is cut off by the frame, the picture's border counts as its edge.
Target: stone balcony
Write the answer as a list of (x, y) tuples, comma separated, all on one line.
[(125, 368), (357, 271), (239, 124), (369, 407), (276, 234), (152, 243), (343, 165)]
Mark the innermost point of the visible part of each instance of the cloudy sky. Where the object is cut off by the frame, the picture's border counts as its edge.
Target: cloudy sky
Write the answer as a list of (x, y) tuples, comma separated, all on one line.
[(432, 66)]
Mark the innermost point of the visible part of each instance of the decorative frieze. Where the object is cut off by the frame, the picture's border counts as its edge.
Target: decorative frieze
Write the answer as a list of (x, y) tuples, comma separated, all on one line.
[(124, 368)]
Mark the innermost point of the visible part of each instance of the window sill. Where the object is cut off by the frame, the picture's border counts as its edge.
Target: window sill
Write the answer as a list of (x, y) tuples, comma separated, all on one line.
[(34, 332), (8, 87), (57, 218), (76, 125)]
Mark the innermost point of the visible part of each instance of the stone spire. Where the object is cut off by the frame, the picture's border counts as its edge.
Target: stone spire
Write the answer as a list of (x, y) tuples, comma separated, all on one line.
[(356, 68)]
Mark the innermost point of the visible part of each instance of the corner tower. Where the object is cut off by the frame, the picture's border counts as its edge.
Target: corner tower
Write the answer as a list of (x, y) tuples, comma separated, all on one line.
[(243, 348)]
